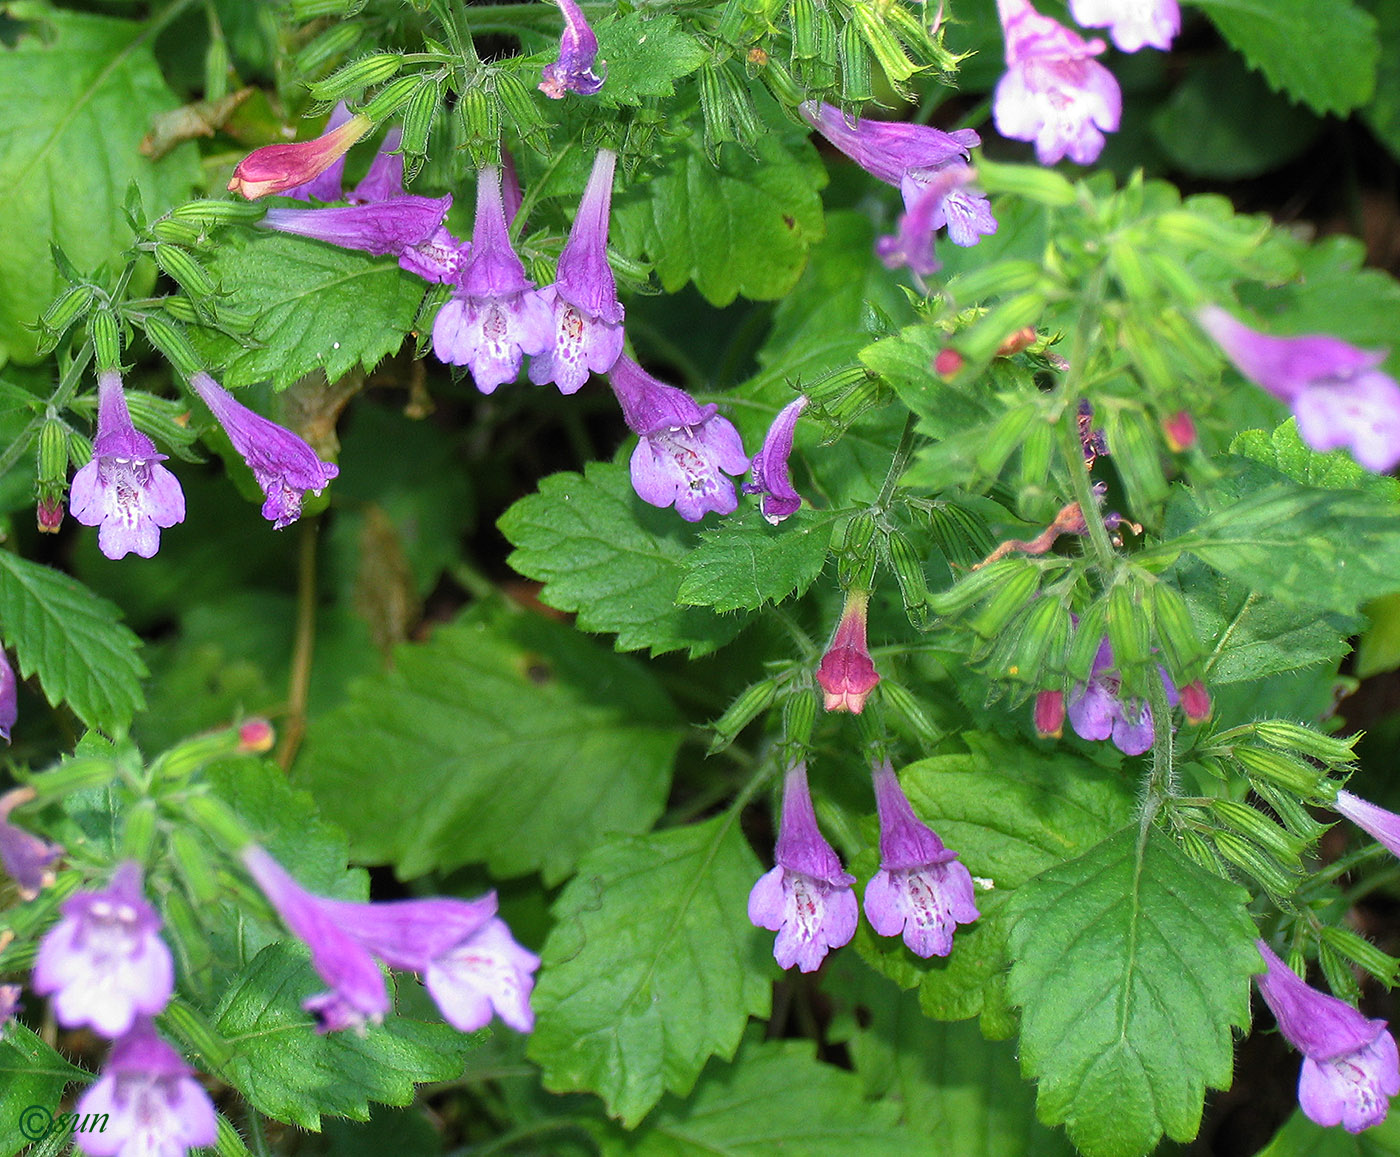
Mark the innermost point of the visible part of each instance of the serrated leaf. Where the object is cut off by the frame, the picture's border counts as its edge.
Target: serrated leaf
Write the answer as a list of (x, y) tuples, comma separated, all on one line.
[(652, 966), (507, 739), (603, 553), (905, 361), (1383, 113), (743, 227), (32, 1075), (1287, 453), (317, 306), (77, 94), (1321, 52), (1301, 1138), (74, 640), (1131, 965), (644, 57), (746, 562), (774, 1098), (294, 1074)]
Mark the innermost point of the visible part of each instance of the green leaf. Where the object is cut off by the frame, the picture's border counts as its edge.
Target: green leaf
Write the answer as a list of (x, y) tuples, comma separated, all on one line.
[(507, 739), (1010, 812), (1383, 113), (603, 553), (1287, 453), (774, 1098), (83, 655), (318, 307), (1131, 966), (77, 94), (1321, 52), (905, 361), (745, 562), (289, 1071), (1301, 1138), (32, 1079), (644, 57), (743, 227), (652, 967)]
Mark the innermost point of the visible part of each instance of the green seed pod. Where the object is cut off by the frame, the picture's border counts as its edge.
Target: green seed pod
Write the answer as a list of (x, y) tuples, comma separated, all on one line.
[(1136, 445), (908, 570), (53, 453), (1041, 639), (1030, 182), (220, 212), (907, 708), (802, 20), (975, 586), (780, 83), (1225, 238), (727, 109), (177, 231), (980, 343), (856, 85), (1084, 646), (1037, 450), (70, 305), (188, 932), (855, 535), (106, 339), (81, 774), (1125, 259), (1199, 850), (1129, 628), (1359, 950), (523, 107), (221, 825), (191, 1027), (799, 718), (170, 339), (1006, 434), (1304, 740), (1006, 602), (357, 76), (1148, 350), (179, 265), (1258, 827), (216, 69), (885, 45), (394, 95), (1249, 858), (332, 44), (139, 831), (1296, 818), (735, 23), (1337, 971), (419, 114), (1290, 774), (192, 858), (744, 710), (1176, 633)]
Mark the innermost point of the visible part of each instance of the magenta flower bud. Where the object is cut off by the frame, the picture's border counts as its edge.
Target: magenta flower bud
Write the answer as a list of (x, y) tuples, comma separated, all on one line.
[(1336, 391), (1050, 714), (124, 490), (9, 703), (279, 168), (326, 185), (149, 1101), (578, 48), (9, 1005), (1375, 821), (684, 450), (1350, 1065), (583, 298), (25, 857), (1180, 429), (1053, 92), (771, 475), (806, 898), (1131, 23), (1195, 702), (283, 464), (921, 891), (1097, 709), (927, 166), (104, 963), (846, 673), (48, 513), (495, 317)]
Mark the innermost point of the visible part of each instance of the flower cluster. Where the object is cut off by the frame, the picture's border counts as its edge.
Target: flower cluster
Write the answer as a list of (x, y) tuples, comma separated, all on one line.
[(920, 892)]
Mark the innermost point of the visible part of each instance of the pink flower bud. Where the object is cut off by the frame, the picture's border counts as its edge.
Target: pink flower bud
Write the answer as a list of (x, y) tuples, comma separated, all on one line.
[(846, 673), (947, 363), (277, 168), (1195, 701), (1050, 714), (1180, 430)]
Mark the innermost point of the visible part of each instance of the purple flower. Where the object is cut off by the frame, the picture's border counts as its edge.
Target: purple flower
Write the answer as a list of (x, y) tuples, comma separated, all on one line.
[(1053, 92), (807, 898), (578, 47), (104, 963), (464, 953), (407, 227), (846, 673), (495, 317), (1131, 23), (9, 1005), (684, 450), (283, 464), (920, 890), (583, 298), (771, 475), (148, 1100), (1335, 390), (1097, 709), (1350, 1065), (1381, 825), (929, 169), (124, 490), (26, 857), (9, 696)]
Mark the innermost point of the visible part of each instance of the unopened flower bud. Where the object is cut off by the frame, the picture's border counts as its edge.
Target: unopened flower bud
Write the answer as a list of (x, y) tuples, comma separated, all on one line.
[(846, 673), (1180, 430), (256, 736), (948, 362), (1050, 714), (1015, 342), (277, 168), (1195, 701)]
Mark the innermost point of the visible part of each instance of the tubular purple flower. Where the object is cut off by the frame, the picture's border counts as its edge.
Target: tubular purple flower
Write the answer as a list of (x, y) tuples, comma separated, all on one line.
[(927, 166), (1350, 1065), (1053, 92), (806, 898), (583, 298), (404, 226), (1381, 825), (124, 490), (25, 857), (104, 962), (684, 450), (383, 181), (148, 1100), (9, 696), (495, 317), (1097, 709), (578, 48), (1336, 391), (920, 891), (771, 474), (1131, 23), (283, 464), (285, 167)]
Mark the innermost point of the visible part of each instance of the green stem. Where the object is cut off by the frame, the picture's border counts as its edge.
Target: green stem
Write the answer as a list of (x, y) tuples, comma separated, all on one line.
[(304, 646), (1161, 780), (898, 463), (58, 401), (1083, 488)]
